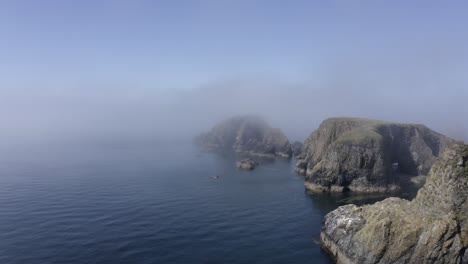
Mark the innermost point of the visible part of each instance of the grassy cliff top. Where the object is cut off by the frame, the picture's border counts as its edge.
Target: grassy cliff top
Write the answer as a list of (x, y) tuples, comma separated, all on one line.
[(365, 121), (360, 136), (365, 131)]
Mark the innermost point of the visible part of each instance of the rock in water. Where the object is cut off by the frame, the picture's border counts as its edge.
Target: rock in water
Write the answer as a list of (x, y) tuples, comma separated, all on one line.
[(362, 154), (433, 228), (246, 135), (246, 164)]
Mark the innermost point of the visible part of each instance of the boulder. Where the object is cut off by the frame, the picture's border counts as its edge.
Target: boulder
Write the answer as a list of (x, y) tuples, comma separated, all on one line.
[(246, 164)]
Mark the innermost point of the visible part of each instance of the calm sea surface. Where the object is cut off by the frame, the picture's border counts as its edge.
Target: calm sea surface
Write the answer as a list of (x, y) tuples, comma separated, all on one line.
[(153, 203)]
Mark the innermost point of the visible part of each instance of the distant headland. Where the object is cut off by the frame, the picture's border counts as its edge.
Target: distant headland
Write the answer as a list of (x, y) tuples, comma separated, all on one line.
[(246, 135)]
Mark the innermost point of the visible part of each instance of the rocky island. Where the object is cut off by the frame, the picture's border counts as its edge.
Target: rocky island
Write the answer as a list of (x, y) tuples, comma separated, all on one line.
[(433, 228), (246, 135), (365, 155)]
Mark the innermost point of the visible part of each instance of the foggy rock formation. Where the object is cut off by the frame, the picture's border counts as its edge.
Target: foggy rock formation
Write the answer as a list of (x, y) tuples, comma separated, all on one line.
[(432, 228), (297, 148), (246, 135), (360, 155), (246, 164)]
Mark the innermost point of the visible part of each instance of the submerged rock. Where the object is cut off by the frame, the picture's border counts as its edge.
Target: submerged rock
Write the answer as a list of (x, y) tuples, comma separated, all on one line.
[(248, 135), (246, 164), (432, 228), (366, 155)]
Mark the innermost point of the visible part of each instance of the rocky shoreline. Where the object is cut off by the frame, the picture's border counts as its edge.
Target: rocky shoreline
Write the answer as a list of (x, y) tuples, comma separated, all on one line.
[(432, 228), (371, 156)]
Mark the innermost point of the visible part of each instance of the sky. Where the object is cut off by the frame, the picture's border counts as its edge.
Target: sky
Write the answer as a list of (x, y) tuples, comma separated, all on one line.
[(166, 68)]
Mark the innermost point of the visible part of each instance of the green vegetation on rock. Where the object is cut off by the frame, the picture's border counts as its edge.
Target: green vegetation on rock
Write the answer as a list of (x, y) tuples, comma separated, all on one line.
[(359, 154), (433, 228)]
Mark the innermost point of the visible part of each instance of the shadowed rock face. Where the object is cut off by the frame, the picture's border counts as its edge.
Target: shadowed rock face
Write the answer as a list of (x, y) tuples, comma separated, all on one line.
[(297, 148), (357, 154), (433, 228), (246, 135)]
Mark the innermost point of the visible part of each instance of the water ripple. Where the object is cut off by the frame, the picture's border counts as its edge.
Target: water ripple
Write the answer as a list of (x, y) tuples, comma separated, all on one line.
[(140, 206)]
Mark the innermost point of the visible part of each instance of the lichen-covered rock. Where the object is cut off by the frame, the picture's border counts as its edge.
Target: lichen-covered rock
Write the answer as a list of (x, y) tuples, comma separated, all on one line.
[(362, 155), (433, 228), (246, 164), (247, 135)]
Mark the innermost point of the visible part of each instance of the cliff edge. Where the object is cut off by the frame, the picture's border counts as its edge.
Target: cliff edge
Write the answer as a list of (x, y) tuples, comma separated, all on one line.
[(365, 155), (433, 228)]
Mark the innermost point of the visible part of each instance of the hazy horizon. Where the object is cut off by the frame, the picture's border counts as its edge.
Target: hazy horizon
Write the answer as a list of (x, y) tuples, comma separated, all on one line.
[(168, 69), (101, 100)]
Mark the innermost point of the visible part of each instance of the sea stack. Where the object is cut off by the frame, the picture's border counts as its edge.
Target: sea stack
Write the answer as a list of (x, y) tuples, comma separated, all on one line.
[(433, 228), (365, 155), (246, 135)]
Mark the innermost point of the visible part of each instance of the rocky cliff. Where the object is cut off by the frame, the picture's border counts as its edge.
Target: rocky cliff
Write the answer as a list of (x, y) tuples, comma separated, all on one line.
[(247, 135), (367, 155), (297, 148), (433, 228)]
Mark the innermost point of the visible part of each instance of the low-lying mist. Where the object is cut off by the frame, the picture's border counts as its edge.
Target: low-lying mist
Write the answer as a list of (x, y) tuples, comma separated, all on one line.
[(126, 114)]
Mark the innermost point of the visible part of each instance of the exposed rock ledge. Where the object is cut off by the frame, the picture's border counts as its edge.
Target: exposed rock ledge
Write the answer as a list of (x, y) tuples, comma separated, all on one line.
[(433, 228), (246, 135), (365, 155)]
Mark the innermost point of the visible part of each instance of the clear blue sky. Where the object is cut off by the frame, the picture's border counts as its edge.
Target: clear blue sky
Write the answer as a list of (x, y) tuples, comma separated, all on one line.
[(184, 44)]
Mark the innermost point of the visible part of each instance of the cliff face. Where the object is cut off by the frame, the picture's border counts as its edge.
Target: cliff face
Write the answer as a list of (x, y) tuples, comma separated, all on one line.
[(247, 135), (297, 148), (366, 155), (433, 228)]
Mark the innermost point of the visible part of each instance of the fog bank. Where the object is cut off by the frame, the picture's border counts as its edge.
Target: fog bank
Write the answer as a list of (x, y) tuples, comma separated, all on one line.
[(125, 114)]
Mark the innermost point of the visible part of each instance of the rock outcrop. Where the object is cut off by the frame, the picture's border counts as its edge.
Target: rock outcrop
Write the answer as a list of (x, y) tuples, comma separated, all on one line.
[(246, 164), (432, 228), (366, 155), (297, 148), (247, 135)]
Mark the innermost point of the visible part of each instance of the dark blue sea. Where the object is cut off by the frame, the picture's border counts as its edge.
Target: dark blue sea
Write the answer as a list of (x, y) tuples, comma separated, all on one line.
[(152, 203)]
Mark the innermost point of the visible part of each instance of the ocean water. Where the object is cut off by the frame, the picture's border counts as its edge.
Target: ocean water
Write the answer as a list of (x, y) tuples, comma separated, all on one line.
[(153, 203)]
